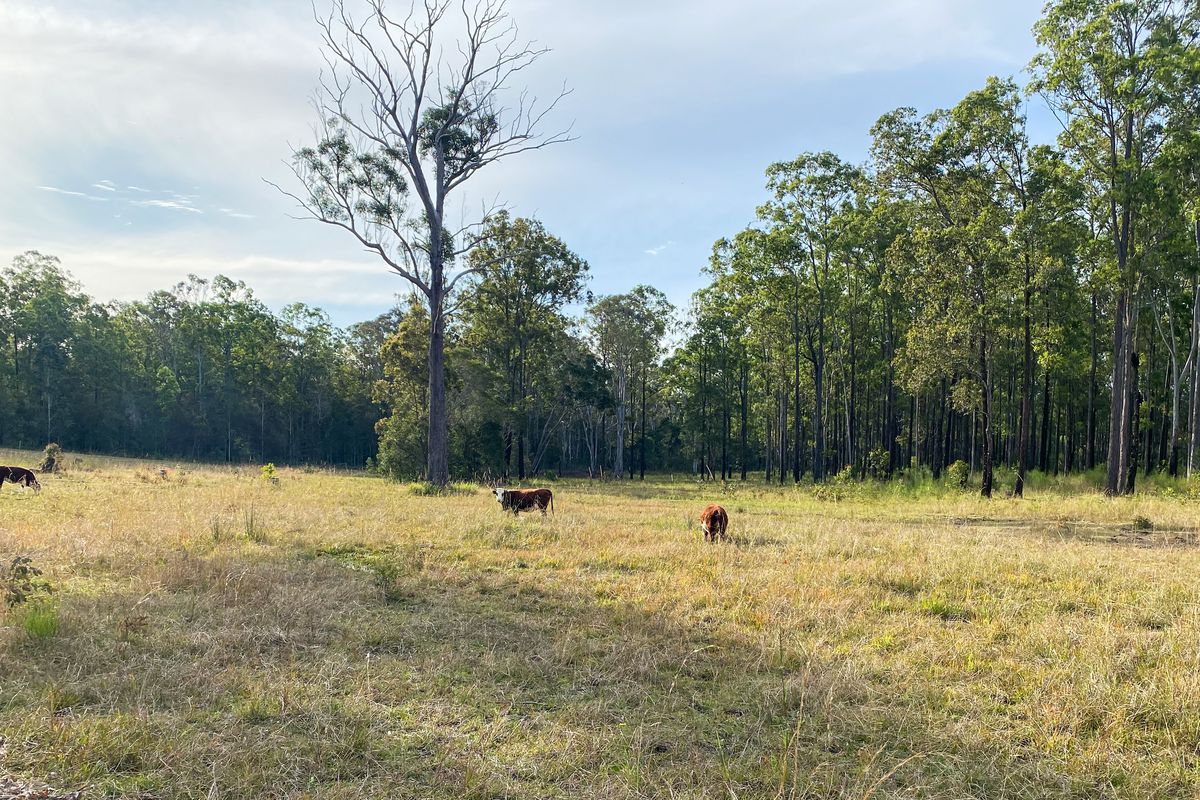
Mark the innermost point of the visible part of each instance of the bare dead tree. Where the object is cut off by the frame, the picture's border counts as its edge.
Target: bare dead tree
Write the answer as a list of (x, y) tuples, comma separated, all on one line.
[(404, 123)]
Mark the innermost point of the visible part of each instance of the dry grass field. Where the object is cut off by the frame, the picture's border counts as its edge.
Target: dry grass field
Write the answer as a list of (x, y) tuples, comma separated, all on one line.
[(212, 635)]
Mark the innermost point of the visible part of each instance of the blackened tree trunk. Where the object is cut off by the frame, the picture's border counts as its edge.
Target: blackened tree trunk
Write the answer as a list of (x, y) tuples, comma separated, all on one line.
[(1026, 423), (1044, 457), (797, 444), (986, 435), (642, 440), (1091, 407)]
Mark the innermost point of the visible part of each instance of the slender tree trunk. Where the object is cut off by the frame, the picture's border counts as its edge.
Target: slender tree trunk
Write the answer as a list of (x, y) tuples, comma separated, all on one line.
[(986, 391), (437, 467), (1131, 432), (1044, 457), (642, 440), (1026, 389), (797, 444), (1091, 407), (619, 449), (745, 402), (1193, 457), (890, 415), (1119, 416)]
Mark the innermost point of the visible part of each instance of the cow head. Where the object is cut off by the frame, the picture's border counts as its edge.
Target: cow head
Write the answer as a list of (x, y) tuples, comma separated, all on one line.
[(500, 495)]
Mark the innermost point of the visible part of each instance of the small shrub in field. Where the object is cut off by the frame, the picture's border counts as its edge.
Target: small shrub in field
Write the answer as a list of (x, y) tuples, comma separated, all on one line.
[(830, 492), (944, 609), (877, 463), (51, 458), (269, 473), (1141, 523), (40, 620), (21, 581), (958, 473)]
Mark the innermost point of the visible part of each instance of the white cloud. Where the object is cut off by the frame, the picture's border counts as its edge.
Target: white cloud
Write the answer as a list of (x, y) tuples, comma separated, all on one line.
[(70, 193), (679, 105), (171, 204)]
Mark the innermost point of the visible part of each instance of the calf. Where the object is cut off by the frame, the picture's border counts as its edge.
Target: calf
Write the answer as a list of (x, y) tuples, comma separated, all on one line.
[(20, 476), (714, 521), (518, 500)]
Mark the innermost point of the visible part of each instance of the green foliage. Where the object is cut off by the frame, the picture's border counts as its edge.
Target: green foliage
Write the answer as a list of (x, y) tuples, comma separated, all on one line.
[(40, 619), (51, 458), (203, 370), (21, 581), (877, 463), (958, 474)]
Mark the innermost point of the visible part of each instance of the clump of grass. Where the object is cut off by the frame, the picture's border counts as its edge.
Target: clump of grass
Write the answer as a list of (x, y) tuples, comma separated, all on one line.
[(1142, 523), (944, 609), (40, 619), (427, 489), (252, 528)]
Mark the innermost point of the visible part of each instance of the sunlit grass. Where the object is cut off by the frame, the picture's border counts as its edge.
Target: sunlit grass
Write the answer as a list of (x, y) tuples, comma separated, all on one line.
[(340, 636)]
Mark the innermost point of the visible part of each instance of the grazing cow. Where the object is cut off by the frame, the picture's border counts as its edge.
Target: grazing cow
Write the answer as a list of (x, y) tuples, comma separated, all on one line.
[(20, 476), (714, 521), (518, 500)]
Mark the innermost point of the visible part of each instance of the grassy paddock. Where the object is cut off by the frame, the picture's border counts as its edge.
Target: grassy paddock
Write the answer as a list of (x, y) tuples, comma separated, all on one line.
[(214, 635)]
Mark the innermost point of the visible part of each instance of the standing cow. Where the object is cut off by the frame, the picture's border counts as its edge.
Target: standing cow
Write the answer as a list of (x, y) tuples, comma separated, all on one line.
[(518, 500), (714, 521), (21, 477)]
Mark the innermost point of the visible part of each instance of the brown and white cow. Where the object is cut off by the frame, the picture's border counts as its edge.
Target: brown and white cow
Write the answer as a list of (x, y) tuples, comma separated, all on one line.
[(20, 476), (518, 500), (714, 521)]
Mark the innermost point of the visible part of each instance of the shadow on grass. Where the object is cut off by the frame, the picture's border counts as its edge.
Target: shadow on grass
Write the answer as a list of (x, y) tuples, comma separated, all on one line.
[(379, 673)]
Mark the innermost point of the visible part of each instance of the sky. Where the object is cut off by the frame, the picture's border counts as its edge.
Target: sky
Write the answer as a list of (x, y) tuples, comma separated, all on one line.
[(137, 136)]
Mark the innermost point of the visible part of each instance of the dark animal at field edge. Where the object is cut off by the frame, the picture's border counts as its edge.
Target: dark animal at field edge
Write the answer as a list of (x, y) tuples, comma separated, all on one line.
[(20, 476), (518, 500), (714, 522)]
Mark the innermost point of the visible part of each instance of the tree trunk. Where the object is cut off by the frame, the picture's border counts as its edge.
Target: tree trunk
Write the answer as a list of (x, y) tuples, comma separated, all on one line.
[(642, 441), (1119, 425), (986, 391), (437, 464), (796, 445), (1044, 456), (1091, 407), (1026, 423), (1131, 432), (1193, 458), (619, 450)]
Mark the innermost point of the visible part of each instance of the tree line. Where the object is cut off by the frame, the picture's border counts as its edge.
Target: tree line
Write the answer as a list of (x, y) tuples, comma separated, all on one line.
[(969, 295), (201, 371), (963, 295)]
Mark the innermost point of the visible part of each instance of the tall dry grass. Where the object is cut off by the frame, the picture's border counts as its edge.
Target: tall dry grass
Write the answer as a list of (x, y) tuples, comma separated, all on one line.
[(339, 636)]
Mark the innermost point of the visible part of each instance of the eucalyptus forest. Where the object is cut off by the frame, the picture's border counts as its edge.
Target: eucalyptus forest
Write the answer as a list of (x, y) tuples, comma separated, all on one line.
[(964, 294)]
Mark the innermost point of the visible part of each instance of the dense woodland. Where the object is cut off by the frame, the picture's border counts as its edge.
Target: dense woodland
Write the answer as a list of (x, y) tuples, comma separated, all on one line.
[(964, 294)]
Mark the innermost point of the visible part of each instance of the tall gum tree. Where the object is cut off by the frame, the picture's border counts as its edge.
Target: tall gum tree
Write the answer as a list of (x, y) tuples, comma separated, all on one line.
[(411, 107), (1102, 67)]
